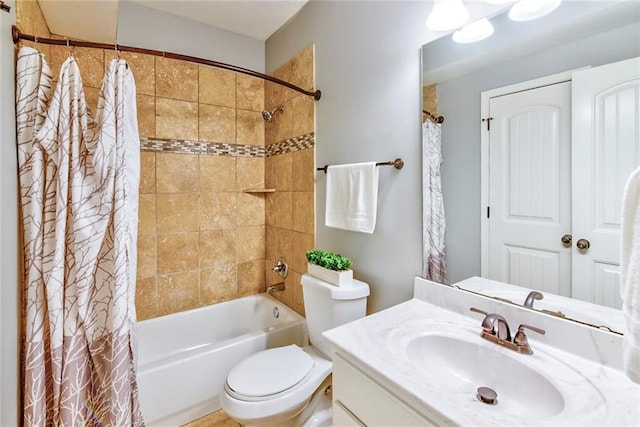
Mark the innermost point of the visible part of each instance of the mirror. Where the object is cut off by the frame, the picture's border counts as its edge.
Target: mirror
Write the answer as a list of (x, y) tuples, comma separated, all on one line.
[(577, 35)]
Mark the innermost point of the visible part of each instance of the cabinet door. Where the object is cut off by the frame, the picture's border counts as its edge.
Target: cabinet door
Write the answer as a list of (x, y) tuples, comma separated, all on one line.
[(357, 395), (605, 150)]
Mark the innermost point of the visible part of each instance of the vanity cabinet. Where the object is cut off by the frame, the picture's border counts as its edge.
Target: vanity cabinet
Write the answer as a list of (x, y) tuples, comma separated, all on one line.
[(359, 400)]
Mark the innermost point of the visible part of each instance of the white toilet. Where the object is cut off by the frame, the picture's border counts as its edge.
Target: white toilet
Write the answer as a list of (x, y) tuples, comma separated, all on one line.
[(285, 386)]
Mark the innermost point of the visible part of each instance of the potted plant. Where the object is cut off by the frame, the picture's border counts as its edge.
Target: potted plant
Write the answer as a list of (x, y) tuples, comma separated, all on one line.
[(330, 267)]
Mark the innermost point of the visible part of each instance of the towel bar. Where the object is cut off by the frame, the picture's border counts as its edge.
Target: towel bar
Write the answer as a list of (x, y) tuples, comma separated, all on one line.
[(397, 163)]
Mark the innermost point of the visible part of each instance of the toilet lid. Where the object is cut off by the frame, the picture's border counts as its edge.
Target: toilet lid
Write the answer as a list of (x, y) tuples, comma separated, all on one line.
[(270, 371)]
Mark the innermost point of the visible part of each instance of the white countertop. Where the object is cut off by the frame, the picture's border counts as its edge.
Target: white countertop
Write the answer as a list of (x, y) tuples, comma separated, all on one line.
[(374, 344)]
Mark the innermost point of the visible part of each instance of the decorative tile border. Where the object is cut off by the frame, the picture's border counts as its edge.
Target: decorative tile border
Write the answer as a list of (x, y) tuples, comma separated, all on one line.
[(200, 147), (294, 144), (179, 146)]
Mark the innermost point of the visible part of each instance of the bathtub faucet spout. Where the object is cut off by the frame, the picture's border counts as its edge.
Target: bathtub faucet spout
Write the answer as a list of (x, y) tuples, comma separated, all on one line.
[(278, 287)]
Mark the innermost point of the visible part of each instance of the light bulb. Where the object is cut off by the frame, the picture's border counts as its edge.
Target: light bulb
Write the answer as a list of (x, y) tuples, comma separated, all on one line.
[(527, 10), (474, 32), (447, 15)]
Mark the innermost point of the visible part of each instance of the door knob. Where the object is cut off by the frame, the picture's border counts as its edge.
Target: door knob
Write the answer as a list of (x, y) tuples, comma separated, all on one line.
[(583, 244), (566, 240)]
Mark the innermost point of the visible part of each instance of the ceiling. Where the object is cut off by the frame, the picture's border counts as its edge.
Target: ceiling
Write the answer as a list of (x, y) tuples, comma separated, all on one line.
[(98, 20)]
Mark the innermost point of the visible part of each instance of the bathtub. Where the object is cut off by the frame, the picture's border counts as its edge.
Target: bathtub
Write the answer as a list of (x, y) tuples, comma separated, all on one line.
[(184, 358)]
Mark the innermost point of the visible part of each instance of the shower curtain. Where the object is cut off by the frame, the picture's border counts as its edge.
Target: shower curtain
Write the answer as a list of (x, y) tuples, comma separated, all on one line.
[(433, 224), (79, 196)]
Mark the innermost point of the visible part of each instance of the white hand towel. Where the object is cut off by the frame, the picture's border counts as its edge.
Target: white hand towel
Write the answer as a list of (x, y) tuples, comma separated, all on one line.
[(352, 197), (630, 275)]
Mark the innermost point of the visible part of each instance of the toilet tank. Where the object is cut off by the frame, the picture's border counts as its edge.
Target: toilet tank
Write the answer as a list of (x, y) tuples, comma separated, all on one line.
[(327, 306)]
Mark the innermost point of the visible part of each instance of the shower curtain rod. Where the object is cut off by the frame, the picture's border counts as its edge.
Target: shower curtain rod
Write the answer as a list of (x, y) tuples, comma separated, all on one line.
[(433, 118), (18, 35)]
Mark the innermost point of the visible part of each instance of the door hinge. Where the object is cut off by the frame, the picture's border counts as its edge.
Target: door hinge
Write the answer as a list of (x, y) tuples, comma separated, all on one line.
[(488, 212), (4, 6), (488, 120)]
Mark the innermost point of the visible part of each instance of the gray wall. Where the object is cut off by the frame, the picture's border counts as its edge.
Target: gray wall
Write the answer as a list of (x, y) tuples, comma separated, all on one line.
[(140, 26), (8, 229), (459, 103), (368, 68)]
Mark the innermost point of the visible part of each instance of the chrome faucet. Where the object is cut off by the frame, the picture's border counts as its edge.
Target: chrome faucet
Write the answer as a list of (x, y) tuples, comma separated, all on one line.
[(278, 287), (533, 295), (496, 329)]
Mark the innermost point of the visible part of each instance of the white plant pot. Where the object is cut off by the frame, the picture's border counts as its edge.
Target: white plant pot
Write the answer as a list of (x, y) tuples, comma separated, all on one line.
[(338, 278)]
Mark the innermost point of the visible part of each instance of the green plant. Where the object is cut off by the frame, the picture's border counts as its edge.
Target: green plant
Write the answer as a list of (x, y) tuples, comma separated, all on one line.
[(328, 260)]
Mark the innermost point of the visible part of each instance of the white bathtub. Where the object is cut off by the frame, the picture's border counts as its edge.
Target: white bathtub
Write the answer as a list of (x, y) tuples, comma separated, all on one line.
[(184, 358)]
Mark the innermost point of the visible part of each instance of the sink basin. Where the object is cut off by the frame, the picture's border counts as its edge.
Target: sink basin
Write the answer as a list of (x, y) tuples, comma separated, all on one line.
[(521, 390)]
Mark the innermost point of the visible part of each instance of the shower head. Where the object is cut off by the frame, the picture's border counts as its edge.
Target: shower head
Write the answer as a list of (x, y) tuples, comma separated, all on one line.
[(268, 115)]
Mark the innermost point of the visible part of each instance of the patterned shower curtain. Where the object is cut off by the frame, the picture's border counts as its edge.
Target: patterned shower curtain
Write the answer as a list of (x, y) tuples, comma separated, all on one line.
[(433, 224), (79, 196)]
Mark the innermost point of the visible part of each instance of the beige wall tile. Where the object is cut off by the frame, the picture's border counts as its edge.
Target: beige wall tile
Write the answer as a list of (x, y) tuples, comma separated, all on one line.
[(217, 173), (284, 240), (430, 98), (176, 173), (217, 247), (147, 262), (303, 211), (303, 115), (147, 214), (146, 298), (250, 128), (269, 177), (283, 210), (217, 124), (269, 134), (146, 115), (177, 252), (271, 242), (218, 284), (177, 213), (30, 20), (143, 68), (90, 61), (176, 119), (176, 79), (302, 69), (250, 209), (303, 170), (249, 93), (251, 278), (250, 172), (91, 96), (283, 171), (270, 209), (147, 172), (281, 93), (251, 243), (284, 123), (217, 87), (178, 292), (302, 243), (218, 211)]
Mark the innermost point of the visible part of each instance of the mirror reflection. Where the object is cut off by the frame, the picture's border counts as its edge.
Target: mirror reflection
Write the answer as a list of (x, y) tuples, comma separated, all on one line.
[(539, 136)]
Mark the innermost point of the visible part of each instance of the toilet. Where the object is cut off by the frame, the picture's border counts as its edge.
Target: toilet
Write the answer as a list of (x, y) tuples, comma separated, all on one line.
[(286, 386)]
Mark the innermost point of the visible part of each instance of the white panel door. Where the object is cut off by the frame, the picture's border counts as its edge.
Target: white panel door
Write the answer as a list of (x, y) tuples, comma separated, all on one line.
[(529, 190), (606, 149)]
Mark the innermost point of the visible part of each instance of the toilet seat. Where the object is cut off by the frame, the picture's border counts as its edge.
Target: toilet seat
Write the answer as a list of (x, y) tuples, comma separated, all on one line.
[(282, 405), (268, 373)]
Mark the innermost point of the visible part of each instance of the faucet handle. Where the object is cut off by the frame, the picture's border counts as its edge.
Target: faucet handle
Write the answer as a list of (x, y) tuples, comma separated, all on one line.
[(522, 327), (477, 310)]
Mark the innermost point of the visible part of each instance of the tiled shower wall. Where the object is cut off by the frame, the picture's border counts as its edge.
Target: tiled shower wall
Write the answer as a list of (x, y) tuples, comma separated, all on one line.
[(201, 238), (430, 98), (290, 169)]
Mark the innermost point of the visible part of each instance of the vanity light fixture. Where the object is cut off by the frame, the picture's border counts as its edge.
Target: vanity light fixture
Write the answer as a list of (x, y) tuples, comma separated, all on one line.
[(527, 10), (499, 1), (474, 32), (447, 15)]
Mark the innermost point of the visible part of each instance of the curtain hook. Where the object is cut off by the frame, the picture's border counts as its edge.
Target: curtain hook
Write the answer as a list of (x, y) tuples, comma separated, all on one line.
[(115, 47), (69, 47)]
